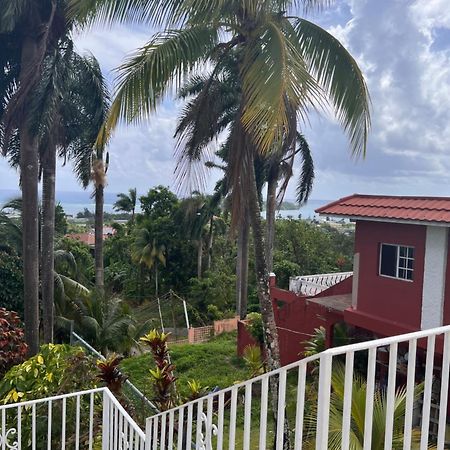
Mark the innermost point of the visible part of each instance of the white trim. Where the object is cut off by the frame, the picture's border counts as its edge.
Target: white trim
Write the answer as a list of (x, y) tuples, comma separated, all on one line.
[(387, 220), (434, 277)]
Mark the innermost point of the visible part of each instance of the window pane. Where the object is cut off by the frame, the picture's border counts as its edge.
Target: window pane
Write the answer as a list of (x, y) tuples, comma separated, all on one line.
[(403, 251), (402, 273), (402, 263), (410, 264), (388, 260), (409, 275)]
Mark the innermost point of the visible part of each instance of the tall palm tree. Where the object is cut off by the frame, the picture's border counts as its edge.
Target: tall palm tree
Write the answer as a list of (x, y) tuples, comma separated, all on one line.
[(35, 25), (147, 253), (127, 202), (287, 65)]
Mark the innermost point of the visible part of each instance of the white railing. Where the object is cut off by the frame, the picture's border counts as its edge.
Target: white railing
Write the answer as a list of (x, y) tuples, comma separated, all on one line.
[(314, 284), (82, 420), (401, 379)]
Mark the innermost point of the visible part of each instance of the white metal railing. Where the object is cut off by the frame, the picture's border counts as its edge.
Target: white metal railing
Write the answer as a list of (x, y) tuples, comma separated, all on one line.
[(242, 416), (81, 420), (314, 284)]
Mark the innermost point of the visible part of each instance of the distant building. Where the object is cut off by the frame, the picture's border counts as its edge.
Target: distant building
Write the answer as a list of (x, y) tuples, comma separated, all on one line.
[(89, 237)]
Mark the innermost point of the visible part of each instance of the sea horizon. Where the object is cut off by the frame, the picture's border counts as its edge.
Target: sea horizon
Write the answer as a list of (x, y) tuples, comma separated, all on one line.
[(74, 202)]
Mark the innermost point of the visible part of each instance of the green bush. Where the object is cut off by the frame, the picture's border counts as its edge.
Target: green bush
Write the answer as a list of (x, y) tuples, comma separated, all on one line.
[(54, 370), (255, 327), (11, 281)]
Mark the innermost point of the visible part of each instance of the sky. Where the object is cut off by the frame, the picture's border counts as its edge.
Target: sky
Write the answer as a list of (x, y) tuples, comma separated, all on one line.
[(403, 48)]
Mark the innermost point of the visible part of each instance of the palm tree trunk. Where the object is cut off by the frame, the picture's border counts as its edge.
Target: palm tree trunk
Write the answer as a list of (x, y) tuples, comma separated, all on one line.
[(199, 257), (271, 205), (210, 243), (99, 270), (30, 214), (48, 234), (242, 269), (262, 277)]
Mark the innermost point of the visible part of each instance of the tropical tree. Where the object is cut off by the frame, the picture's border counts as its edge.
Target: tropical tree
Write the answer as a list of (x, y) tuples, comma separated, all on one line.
[(287, 65), (34, 26), (147, 253), (127, 202)]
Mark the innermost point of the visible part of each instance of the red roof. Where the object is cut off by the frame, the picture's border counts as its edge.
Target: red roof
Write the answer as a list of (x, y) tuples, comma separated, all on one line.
[(391, 208)]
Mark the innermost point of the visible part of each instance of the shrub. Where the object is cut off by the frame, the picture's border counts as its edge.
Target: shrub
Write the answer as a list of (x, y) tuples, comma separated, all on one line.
[(255, 327), (12, 341), (55, 370), (11, 281)]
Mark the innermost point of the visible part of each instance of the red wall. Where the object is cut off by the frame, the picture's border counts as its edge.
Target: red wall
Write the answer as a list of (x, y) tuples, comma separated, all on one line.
[(446, 315), (395, 300)]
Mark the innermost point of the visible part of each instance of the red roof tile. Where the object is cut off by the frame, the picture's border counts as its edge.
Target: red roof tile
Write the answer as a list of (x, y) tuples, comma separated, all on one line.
[(393, 208)]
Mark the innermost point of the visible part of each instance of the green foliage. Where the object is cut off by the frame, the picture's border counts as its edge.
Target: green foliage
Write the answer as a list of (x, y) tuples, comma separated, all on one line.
[(54, 370), (158, 202), (253, 360), (11, 282), (284, 270), (110, 374), (358, 406), (82, 254), (255, 327), (12, 341), (60, 220)]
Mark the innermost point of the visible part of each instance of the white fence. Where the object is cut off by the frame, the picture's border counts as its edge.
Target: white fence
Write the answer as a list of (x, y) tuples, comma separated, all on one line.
[(83, 420), (313, 284), (308, 414)]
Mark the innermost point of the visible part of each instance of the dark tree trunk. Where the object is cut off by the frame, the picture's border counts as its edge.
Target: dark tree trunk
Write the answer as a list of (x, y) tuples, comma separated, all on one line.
[(242, 269), (199, 257), (210, 243), (262, 277), (99, 270), (271, 205), (30, 213), (48, 234)]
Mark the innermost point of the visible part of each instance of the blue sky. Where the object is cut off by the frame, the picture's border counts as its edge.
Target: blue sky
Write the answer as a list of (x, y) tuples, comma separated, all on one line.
[(403, 47)]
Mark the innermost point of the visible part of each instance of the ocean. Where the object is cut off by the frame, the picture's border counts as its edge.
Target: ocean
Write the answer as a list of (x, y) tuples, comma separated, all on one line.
[(74, 202)]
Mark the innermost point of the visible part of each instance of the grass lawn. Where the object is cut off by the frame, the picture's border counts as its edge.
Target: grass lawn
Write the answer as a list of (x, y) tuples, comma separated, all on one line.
[(213, 363)]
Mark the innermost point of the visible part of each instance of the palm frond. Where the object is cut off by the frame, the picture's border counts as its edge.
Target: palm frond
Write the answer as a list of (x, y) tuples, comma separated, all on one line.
[(340, 77), (147, 75), (274, 70), (306, 178)]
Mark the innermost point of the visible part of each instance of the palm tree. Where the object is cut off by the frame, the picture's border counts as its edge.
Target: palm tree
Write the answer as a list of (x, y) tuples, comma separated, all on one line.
[(357, 414), (287, 65), (146, 252), (127, 202), (34, 25)]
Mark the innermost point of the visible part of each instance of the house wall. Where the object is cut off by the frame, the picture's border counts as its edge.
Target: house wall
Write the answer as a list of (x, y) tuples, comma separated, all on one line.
[(446, 314), (399, 301)]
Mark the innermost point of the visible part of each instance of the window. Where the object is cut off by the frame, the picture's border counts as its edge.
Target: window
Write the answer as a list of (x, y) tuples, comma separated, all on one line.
[(397, 261)]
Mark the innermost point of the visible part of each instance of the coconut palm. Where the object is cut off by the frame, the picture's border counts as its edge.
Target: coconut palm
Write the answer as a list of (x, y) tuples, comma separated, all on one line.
[(127, 202), (34, 26), (147, 253), (287, 65), (357, 414)]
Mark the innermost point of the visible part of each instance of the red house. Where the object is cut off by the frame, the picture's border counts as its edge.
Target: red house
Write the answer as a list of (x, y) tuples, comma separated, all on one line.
[(400, 280)]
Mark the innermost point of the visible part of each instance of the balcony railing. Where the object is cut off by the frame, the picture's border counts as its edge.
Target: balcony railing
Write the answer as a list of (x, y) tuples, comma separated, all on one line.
[(401, 382), (314, 284), (81, 420)]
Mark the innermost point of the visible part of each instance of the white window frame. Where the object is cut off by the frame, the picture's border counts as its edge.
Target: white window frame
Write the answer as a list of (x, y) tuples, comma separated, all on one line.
[(397, 267)]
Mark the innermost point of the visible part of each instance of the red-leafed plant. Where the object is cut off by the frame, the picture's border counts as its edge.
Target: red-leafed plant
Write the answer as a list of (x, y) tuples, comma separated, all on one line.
[(110, 374), (163, 377), (13, 348)]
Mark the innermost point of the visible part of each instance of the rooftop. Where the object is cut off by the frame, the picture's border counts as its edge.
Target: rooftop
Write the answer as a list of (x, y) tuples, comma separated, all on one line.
[(391, 208)]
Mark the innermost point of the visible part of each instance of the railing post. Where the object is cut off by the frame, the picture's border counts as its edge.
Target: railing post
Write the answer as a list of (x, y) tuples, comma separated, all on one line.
[(105, 422), (323, 411), (148, 433)]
